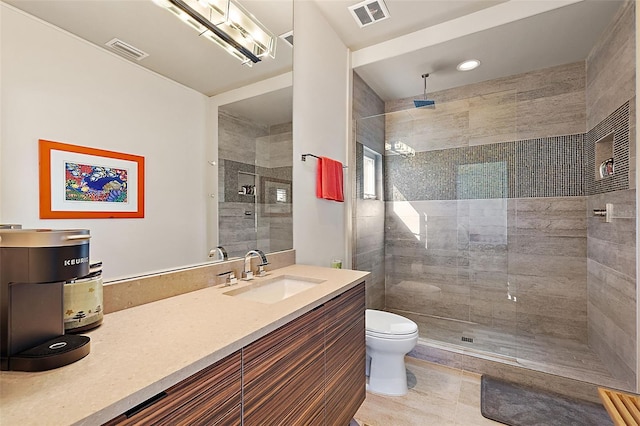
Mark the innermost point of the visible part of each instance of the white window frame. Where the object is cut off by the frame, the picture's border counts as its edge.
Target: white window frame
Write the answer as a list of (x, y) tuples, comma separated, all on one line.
[(371, 174)]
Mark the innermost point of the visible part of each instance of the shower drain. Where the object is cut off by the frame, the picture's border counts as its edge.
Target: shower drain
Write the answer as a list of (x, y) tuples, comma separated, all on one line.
[(467, 339)]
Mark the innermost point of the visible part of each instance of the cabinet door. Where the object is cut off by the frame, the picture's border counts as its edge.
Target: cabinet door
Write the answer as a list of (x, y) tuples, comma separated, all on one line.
[(209, 397), (284, 374), (345, 355)]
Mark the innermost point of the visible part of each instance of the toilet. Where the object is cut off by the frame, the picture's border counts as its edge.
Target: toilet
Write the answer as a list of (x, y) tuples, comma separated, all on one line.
[(389, 337)]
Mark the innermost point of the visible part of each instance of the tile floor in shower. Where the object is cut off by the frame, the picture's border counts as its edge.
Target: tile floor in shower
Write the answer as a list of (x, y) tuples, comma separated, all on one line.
[(557, 356)]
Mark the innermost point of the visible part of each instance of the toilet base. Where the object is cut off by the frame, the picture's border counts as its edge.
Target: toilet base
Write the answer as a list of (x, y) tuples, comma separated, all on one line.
[(387, 375)]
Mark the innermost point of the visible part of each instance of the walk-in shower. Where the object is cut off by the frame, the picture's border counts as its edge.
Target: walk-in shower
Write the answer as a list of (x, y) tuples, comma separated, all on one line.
[(488, 238)]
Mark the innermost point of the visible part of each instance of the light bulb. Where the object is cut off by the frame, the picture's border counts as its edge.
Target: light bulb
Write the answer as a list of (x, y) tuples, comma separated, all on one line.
[(468, 65)]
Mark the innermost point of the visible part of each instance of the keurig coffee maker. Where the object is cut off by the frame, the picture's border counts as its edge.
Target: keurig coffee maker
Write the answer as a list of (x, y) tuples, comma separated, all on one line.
[(34, 265)]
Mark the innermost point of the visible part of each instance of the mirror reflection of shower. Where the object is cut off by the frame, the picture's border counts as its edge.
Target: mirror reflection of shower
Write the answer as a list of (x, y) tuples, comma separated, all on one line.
[(255, 162)]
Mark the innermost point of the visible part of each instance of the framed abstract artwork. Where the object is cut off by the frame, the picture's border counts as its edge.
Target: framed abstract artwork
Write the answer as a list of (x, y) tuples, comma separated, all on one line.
[(77, 182)]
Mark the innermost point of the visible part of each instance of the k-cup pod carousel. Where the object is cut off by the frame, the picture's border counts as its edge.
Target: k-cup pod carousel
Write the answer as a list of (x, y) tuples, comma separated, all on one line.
[(83, 301)]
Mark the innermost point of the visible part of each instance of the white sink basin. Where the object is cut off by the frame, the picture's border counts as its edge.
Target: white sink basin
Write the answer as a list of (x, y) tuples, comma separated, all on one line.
[(272, 290)]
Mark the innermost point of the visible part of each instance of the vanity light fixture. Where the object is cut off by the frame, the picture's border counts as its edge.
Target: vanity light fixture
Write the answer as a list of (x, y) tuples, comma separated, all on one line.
[(468, 65), (227, 24), (399, 148)]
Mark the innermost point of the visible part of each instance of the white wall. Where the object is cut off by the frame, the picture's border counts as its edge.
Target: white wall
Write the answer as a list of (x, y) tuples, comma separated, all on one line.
[(320, 124), (58, 87)]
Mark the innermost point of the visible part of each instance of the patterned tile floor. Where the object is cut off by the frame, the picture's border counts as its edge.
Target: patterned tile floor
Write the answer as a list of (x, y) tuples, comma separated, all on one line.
[(438, 395)]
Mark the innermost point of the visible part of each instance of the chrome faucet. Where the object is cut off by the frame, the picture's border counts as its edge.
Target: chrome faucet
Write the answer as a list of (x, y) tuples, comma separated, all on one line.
[(219, 251), (248, 273)]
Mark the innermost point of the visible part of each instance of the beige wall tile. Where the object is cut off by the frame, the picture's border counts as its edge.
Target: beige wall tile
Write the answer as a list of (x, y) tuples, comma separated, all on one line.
[(611, 67)]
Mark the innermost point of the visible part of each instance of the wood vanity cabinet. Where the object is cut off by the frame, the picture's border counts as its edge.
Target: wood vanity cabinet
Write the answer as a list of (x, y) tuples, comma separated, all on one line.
[(308, 372), (212, 396)]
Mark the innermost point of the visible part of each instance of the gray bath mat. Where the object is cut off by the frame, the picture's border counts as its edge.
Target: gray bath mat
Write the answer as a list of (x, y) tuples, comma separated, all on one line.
[(517, 405)]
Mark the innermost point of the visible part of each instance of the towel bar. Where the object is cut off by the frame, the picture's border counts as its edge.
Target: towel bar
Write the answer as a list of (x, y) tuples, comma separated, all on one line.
[(304, 158)]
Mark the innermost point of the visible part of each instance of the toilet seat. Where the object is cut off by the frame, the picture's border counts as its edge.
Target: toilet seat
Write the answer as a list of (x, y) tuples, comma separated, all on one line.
[(387, 325)]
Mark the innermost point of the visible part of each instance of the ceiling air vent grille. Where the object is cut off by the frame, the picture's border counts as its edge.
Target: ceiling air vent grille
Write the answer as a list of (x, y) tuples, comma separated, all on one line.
[(288, 37), (126, 50), (369, 12)]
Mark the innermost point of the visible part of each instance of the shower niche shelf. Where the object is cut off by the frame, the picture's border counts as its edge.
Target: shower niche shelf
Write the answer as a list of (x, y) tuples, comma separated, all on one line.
[(604, 160), (247, 184)]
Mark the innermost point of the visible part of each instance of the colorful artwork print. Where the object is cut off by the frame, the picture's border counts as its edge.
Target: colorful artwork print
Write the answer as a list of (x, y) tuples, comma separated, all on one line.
[(86, 182)]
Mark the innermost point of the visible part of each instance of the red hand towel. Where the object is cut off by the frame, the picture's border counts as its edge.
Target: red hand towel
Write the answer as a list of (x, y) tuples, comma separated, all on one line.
[(329, 179)]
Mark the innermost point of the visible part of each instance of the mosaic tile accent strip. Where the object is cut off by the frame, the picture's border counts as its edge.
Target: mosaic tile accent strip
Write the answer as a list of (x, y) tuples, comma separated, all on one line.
[(230, 180), (550, 167), (618, 124), (482, 180), (558, 166), (546, 167)]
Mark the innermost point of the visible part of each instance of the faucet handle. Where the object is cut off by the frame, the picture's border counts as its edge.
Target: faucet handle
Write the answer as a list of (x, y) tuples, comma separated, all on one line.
[(261, 271), (231, 279)]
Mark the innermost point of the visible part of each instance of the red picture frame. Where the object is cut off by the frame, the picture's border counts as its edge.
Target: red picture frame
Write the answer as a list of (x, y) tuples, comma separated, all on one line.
[(78, 182)]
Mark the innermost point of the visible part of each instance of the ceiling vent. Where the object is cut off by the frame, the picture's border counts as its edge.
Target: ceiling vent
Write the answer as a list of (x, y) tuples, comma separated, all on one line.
[(369, 12), (126, 50), (287, 37)]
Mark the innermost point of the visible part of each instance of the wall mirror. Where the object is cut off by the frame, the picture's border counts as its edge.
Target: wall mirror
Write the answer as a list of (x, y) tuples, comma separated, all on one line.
[(188, 57)]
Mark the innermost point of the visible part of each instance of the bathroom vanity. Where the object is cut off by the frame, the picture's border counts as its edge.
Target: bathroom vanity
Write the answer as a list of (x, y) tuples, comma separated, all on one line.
[(207, 357)]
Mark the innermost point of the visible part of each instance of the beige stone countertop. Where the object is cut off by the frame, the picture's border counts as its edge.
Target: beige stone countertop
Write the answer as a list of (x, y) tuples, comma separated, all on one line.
[(139, 352)]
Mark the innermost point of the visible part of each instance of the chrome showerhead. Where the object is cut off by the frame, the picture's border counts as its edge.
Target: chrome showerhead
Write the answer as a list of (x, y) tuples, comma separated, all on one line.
[(423, 102), (419, 103)]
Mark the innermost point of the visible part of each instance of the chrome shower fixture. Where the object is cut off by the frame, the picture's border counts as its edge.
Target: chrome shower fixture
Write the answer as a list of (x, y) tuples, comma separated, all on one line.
[(419, 103)]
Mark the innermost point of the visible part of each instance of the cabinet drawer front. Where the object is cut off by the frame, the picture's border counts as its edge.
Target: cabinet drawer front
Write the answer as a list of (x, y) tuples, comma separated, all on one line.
[(286, 336), (203, 398), (283, 371), (345, 375), (345, 310), (232, 418)]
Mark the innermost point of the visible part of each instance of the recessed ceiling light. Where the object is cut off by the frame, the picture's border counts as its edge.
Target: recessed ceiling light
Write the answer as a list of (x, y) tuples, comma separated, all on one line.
[(468, 65)]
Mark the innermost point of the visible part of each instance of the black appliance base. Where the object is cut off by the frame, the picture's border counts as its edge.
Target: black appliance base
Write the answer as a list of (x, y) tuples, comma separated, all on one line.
[(57, 352)]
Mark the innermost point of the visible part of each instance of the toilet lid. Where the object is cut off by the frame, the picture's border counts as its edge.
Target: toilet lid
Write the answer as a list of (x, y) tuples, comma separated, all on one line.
[(388, 323)]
